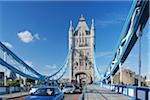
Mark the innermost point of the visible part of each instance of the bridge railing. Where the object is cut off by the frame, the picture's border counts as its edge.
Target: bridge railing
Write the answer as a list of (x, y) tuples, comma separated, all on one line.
[(137, 93), (13, 89)]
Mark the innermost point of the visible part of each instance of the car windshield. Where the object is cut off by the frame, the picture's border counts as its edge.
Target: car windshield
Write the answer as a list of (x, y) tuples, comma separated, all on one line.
[(37, 86), (68, 86), (45, 92)]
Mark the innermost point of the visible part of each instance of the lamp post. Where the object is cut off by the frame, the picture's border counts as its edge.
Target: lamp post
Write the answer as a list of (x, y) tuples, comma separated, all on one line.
[(140, 35), (5, 70)]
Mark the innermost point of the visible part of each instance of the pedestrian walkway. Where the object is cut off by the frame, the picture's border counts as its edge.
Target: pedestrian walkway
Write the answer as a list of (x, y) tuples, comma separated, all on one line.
[(13, 95), (94, 92)]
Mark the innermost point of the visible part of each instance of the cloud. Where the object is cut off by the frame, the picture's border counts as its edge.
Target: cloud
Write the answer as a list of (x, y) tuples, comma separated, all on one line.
[(36, 36), (104, 23), (115, 19), (103, 54), (29, 63), (44, 39), (25, 36), (52, 67), (7, 44)]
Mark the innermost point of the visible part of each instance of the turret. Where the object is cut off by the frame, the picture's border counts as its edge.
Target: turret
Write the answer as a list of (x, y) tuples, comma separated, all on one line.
[(92, 31), (70, 29), (92, 28), (70, 34)]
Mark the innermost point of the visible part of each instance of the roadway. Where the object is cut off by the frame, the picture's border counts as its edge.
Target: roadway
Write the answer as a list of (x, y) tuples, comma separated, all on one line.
[(67, 97), (94, 92)]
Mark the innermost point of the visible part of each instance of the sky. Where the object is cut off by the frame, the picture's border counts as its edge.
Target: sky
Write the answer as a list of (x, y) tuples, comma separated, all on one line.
[(37, 31)]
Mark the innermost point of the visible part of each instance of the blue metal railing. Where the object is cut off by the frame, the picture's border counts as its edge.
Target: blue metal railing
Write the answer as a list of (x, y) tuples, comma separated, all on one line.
[(135, 92)]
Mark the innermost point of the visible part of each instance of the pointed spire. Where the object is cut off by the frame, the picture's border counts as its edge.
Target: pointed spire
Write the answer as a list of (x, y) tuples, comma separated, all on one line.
[(82, 18), (92, 28), (81, 15), (70, 25), (70, 29)]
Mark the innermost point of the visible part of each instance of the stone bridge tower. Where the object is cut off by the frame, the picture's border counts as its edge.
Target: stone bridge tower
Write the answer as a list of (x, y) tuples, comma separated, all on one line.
[(82, 43)]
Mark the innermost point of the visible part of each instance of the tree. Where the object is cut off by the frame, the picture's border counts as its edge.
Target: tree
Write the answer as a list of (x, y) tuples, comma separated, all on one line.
[(30, 80)]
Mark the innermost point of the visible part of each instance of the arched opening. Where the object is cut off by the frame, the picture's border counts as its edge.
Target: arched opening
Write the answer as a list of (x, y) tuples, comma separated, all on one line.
[(83, 77)]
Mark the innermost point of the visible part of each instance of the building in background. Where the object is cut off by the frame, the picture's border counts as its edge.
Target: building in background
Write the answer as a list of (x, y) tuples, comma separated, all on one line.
[(129, 78), (147, 83), (1, 78)]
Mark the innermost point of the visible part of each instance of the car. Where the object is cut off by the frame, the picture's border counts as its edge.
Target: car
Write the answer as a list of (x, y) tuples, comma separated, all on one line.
[(46, 93), (69, 88), (34, 88)]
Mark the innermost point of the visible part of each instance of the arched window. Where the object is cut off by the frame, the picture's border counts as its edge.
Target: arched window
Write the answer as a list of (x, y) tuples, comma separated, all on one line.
[(87, 42), (75, 54), (87, 53), (87, 32), (81, 53), (76, 43), (76, 63), (83, 41), (79, 34), (82, 34), (80, 63), (76, 33), (80, 40), (86, 64), (90, 63), (75, 67)]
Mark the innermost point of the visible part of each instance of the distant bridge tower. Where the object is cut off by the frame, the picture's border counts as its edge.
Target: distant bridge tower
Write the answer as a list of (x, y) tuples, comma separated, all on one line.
[(82, 43)]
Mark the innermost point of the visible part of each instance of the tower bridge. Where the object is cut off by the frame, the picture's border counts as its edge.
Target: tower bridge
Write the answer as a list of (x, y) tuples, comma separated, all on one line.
[(81, 55)]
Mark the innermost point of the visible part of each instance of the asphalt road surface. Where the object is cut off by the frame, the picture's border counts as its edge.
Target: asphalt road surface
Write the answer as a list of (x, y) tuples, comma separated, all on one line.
[(67, 97), (72, 96)]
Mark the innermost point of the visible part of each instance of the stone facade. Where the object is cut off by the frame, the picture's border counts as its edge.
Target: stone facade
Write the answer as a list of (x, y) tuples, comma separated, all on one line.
[(82, 45), (129, 78)]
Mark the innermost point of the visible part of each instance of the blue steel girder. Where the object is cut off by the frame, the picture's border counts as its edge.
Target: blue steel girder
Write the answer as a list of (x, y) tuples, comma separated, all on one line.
[(3, 63), (30, 72), (142, 21), (139, 14), (123, 31), (61, 68), (59, 77), (55, 76), (10, 53), (96, 68)]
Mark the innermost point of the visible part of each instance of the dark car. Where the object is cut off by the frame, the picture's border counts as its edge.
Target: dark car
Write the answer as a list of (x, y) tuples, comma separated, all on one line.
[(47, 93)]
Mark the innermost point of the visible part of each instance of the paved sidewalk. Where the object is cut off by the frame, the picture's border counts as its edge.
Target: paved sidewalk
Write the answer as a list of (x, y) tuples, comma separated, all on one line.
[(94, 92), (13, 95)]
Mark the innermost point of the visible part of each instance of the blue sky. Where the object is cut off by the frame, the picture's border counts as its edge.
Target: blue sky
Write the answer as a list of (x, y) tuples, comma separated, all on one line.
[(38, 31)]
